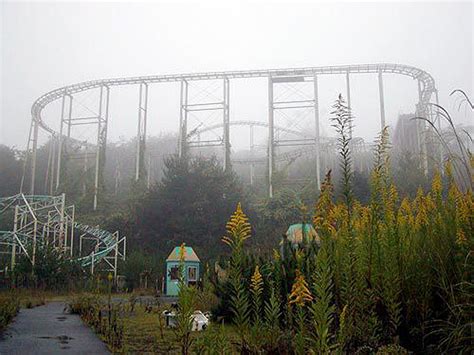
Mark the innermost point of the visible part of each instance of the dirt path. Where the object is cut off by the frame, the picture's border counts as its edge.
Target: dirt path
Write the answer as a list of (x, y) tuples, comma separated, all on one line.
[(49, 330)]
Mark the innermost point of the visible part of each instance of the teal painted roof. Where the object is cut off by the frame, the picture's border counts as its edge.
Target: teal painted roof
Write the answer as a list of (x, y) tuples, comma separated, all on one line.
[(189, 254)]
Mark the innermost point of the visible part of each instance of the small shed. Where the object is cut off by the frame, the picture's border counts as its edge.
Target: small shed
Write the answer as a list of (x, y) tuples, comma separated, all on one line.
[(192, 271)]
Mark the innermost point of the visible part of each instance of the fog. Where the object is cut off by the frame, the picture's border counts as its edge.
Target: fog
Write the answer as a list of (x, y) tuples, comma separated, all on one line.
[(48, 45)]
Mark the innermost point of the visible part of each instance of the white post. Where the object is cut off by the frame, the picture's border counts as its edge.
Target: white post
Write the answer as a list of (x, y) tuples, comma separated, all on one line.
[(15, 226), (92, 264), (382, 103), (116, 255), (271, 144), (317, 130)]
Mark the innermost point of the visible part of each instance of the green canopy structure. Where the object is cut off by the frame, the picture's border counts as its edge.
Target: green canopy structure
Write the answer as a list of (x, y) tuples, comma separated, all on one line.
[(297, 233)]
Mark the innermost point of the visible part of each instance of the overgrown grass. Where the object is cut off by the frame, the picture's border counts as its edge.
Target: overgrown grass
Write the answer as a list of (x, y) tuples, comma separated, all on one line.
[(9, 307), (12, 301), (141, 327)]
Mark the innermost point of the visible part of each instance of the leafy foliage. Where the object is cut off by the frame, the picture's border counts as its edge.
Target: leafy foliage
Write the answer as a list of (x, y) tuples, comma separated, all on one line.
[(390, 275), (189, 205), (53, 270)]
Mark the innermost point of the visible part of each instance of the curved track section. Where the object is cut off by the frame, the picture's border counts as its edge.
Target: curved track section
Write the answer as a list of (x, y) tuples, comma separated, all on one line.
[(426, 80), (107, 243), (249, 123)]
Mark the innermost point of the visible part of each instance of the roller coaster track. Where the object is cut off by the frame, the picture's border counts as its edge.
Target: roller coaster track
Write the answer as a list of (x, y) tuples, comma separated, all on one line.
[(37, 225), (249, 123), (426, 80), (426, 87), (107, 243)]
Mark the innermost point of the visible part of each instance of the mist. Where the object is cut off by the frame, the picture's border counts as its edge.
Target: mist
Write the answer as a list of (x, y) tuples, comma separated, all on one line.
[(62, 43)]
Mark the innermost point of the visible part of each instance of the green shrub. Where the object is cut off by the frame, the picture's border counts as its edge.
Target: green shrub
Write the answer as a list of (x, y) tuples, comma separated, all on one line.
[(9, 307)]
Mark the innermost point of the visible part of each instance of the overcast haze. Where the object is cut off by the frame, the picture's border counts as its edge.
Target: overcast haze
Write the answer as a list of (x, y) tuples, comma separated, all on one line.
[(48, 45)]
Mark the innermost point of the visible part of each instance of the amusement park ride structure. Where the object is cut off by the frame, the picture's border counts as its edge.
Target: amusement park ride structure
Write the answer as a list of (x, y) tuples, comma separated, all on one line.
[(40, 221), (46, 220), (279, 106)]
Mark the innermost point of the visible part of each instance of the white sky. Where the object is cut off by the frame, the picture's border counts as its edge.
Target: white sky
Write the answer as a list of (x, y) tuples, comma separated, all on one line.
[(48, 45)]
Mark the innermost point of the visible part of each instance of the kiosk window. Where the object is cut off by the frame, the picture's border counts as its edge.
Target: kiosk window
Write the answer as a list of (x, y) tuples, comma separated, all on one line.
[(174, 273), (192, 273)]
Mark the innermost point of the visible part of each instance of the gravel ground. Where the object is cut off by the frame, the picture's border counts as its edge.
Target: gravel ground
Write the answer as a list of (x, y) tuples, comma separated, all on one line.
[(49, 330)]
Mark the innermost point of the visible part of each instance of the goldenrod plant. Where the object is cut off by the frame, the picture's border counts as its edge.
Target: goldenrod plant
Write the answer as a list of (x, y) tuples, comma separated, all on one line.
[(256, 288), (238, 230), (390, 276), (322, 309)]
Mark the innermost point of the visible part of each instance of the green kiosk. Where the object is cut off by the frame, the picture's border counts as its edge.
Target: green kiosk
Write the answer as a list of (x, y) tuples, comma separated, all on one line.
[(192, 271)]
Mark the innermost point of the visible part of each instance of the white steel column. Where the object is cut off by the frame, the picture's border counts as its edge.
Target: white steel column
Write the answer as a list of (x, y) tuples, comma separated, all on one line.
[(69, 117), (421, 127), (317, 129), (84, 170), (50, 162), (438, 122), (102, 121), (148, 176), (34, 140), (382, 103), (141, 132), (252, 147), (15, 227), (66, 117), (348, 91), (60, 141), (226, 125), (183, 119), (271, 142)]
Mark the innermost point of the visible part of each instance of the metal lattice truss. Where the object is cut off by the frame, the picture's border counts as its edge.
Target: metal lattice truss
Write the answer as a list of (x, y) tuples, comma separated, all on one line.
[(288, 106), (40, 220)]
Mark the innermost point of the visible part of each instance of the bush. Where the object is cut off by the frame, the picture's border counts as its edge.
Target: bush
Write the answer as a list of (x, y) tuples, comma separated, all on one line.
[(9, 307)]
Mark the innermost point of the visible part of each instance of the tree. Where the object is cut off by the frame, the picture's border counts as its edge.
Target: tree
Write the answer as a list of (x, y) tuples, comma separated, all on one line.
[(190, 204), (275, 215), (10, 171), (408, 175)]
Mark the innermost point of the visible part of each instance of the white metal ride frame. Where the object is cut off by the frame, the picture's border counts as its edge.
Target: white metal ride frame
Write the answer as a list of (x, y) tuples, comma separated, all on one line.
[(276, 77), (40, 220)]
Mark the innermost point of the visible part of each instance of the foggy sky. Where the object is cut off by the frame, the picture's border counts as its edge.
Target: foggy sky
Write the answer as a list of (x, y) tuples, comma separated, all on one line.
[(48, 45)]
